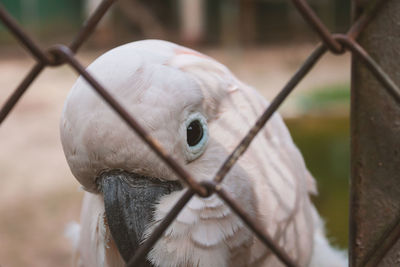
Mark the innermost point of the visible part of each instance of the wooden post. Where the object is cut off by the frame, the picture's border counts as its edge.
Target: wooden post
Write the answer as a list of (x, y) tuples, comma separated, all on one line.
[(375, 145)]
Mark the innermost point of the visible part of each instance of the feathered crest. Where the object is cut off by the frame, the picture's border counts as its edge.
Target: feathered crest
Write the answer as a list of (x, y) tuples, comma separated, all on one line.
[(215, 80)]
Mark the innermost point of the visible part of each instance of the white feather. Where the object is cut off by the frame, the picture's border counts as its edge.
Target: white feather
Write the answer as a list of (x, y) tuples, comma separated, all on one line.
[(72, 232)]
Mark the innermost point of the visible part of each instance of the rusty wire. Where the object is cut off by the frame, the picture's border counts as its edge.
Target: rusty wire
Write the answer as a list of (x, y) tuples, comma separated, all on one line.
[(335, 43)]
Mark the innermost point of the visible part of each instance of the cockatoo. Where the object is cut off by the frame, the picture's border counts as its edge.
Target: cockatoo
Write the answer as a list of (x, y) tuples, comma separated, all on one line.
[(199, 111)]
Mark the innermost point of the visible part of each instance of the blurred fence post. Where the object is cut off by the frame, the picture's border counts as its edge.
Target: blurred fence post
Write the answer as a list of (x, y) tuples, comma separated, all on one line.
[(230, 12), (192, 20), (375, 145)]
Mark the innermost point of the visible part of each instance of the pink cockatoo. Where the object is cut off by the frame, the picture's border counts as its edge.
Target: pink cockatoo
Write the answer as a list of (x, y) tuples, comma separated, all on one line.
[(199, 111)]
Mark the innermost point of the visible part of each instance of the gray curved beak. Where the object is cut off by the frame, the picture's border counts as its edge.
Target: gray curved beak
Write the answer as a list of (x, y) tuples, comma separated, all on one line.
[(129, 201)]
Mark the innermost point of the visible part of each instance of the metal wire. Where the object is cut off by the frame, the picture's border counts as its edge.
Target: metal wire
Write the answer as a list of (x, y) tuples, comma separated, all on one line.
[(336, 43)]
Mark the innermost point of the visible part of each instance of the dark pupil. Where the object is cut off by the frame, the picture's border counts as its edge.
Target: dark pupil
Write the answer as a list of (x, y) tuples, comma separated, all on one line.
[(194, 133)]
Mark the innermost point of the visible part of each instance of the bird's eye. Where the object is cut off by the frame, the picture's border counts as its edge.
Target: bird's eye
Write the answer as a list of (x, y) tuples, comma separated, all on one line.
[(196, 135)]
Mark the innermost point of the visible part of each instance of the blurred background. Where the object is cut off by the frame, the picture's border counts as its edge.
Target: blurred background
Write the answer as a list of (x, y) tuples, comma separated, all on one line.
[(262, 41)]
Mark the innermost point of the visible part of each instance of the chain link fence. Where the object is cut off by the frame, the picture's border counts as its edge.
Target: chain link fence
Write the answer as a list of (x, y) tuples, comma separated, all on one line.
[(335, 43)]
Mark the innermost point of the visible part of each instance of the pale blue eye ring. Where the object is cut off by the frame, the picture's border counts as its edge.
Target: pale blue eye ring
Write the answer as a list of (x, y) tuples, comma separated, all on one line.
[(196, 135)]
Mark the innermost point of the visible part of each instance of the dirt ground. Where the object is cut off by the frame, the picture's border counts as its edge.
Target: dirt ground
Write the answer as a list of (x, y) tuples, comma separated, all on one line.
[(38, 194)]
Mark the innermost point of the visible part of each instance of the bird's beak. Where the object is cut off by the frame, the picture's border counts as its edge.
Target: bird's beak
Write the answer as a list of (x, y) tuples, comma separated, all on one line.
[(129, 201)]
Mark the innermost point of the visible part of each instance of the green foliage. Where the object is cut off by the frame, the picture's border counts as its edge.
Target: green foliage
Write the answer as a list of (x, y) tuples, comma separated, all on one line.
[(43, 17), (325, 145), (332, 97)]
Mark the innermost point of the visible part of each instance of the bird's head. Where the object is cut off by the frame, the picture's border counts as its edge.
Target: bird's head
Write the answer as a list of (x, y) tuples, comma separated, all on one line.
[(175, 93)]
